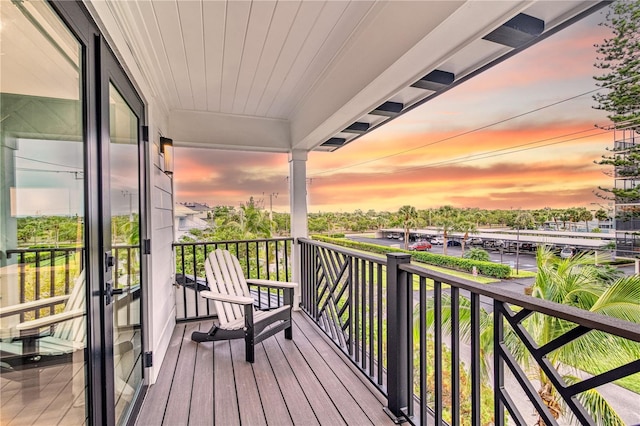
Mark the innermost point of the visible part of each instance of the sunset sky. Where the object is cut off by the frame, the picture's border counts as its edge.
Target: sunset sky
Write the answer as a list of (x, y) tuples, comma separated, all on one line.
[(542, 159)]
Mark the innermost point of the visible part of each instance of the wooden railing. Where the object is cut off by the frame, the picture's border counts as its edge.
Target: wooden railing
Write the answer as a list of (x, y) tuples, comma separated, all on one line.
[(376, 311)]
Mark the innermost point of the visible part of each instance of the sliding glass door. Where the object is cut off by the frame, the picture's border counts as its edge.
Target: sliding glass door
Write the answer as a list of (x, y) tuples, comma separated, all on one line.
[(125, 280), (43, 286), (72, 221)]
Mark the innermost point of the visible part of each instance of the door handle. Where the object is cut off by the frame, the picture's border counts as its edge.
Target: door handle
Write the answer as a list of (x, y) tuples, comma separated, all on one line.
[(110, 291)]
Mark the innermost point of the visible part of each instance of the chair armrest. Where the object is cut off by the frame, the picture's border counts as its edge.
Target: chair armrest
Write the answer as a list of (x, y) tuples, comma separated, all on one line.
[(238, 300), (30, 306), (49, 320), (270, 283)]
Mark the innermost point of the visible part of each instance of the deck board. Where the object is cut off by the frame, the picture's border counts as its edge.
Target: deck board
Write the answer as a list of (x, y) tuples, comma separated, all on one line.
[(343, 400), (321, 403), (292, 393), (224, 393), (201, 410), (368, 399), (301, 382), (181, 389), (277, 412), (156, 402), (249, 403)]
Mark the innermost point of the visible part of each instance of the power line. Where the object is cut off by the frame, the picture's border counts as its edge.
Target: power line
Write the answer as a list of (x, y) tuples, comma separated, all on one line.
[(510, 150), (47, 162), (497, 152), (491, 155), (470, 131)]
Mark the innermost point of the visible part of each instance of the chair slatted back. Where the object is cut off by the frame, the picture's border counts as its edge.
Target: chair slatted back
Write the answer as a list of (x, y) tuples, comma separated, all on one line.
[(225, 276), (74, 330)]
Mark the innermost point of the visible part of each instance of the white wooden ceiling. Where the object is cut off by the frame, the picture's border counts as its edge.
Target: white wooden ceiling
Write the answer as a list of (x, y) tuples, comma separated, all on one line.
[(284, 75)]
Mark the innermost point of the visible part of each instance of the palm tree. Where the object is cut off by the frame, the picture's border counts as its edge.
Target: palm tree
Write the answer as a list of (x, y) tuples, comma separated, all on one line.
[(447, 223), (576, 282), (408, 215), (601, 215), (467, 227)]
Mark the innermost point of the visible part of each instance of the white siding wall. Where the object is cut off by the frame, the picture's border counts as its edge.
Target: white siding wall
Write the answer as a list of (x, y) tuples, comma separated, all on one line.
[(160, 292)]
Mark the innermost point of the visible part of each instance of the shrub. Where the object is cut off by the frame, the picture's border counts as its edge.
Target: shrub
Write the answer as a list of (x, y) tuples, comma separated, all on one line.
[(477, 254), (466, 265)]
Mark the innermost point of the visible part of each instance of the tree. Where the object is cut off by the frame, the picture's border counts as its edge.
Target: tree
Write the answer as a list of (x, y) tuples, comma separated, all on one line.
[(466, 226), (446, 221), (601, 215), (585, 215), (576, 282), (408, 215), (619, 60)]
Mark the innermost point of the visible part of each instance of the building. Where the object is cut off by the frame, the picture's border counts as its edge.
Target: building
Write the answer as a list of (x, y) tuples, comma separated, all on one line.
[(202, 209), (627, 210), (187, 219), (95, 95)]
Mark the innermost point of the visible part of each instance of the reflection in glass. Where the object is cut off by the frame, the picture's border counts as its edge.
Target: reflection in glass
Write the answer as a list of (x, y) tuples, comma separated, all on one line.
[(42, 285), (125, 239)]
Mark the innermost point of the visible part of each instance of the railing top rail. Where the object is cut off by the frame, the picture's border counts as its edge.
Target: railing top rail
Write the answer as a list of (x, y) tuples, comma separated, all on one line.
[(202, 243), (615, 326), (350, 252), (59, 249), (43, 250)]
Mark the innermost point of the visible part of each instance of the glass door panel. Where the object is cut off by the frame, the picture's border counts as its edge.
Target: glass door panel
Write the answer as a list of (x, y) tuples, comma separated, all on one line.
[(42, 210), (124, 178)]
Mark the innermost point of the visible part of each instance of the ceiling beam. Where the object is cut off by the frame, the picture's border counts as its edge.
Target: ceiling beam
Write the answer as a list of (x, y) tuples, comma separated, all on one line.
[(435, 80), (335, 142), (388, 109), (517, 31), (358, 127)]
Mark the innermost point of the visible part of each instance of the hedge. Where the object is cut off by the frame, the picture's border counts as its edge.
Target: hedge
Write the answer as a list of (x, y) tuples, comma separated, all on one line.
[(488, 269)]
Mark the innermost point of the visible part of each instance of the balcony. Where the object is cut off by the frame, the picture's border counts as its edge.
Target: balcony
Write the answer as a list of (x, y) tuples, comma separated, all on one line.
[(359, 346)]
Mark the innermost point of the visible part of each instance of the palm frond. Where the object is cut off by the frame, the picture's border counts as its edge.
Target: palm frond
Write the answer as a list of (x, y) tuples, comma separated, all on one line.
[(601, 411)]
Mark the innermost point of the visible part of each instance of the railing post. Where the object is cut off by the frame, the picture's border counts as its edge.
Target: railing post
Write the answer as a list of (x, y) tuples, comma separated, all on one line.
[(397, 337)]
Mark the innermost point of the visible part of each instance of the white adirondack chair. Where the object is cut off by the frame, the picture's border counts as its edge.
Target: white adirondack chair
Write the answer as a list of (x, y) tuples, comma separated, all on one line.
[(30, 345), (237, 316)]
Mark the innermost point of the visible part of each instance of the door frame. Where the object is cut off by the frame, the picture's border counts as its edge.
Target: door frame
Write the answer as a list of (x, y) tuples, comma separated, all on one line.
[(111, 73), (99, 68)]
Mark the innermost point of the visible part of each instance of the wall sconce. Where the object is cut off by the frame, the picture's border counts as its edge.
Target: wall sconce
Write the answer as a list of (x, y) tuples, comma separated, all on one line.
[(166, 149)]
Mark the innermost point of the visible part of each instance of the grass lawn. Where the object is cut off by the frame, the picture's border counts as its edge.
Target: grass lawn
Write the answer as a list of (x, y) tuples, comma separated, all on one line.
[(522, 274)]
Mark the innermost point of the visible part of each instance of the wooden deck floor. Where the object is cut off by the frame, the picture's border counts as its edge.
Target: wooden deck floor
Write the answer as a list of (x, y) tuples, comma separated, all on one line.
[(305, 381)]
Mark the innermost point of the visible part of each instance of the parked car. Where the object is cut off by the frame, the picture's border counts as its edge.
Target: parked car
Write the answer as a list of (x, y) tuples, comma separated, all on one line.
[(437, 241), (495, 244), (567, 252), (452, 243), (475, 241), (392, 236), (420, 246)]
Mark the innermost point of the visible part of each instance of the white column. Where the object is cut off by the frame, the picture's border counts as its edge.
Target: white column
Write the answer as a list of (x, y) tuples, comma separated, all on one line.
[(298, 208)]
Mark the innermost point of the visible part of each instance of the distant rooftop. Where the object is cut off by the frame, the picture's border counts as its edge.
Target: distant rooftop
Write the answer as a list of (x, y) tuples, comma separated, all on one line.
[(199, 207)]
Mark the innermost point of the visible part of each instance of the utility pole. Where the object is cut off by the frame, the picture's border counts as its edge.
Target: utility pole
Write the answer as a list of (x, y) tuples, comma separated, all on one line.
[(271, 197)]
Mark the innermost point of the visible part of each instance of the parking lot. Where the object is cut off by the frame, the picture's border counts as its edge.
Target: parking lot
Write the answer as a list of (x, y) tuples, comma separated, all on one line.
[(526, 259)]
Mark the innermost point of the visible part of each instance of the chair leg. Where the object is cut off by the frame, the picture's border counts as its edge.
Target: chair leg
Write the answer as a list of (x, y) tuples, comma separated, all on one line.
[(249, 350), (288, 332), (249, 334)]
